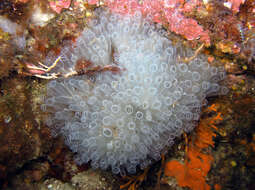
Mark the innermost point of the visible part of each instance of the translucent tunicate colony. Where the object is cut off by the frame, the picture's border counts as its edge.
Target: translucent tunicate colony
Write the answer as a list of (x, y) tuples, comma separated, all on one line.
[(127, 119)]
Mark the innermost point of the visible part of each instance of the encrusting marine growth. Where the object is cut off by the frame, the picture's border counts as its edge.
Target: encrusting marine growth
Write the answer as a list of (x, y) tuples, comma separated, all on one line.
[(126, 117)]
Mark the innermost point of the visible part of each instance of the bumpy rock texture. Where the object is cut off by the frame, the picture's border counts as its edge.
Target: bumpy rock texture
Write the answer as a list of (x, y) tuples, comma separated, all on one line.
[(122, 120)]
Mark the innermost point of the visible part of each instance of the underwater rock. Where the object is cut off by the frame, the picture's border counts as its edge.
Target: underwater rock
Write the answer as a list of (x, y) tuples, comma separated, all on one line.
[(126, 117)]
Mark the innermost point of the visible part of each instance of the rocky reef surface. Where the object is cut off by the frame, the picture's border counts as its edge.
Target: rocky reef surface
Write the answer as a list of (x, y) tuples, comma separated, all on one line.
[(31, 158)]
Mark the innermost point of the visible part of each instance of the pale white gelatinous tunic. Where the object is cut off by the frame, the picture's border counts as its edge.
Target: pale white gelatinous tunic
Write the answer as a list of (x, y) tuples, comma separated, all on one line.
[(125, 120)]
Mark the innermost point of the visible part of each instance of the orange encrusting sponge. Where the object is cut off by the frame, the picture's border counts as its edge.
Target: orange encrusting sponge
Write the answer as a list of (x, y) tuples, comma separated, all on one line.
[(193, 171)]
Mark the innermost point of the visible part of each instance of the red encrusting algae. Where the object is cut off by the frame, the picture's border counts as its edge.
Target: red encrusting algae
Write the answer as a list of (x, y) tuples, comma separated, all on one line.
[(167, 13), (58, 5), (192, 173)]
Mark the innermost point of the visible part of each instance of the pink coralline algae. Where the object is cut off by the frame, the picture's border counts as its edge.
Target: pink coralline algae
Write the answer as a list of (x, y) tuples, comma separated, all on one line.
[(166, 12), (93, 2), (190, 5), (58, 5)]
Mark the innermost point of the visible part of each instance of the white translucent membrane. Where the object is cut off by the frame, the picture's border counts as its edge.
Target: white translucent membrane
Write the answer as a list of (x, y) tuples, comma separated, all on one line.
[(206, 85), (188, 83), (215, 87), (153, 67), (131, 125), (159, 79), (188, 116), (107, 120), (195, 89), (52, 84), (145, 130), (103, 164), (115, 109), (127, 147), (93, 125), (153, 91), (196, 76), (121, 121), (173, 68), (117, 144), (168, 101), (135, 139), (92, 100), (167, 84), (182, 67), (115, 169), (148, 116), (107, 132), (129, 109), (139, 115), (145, 105)]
